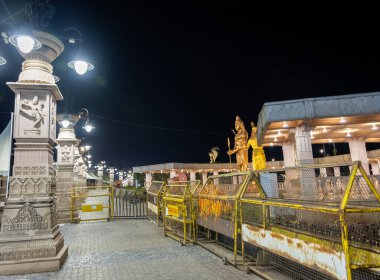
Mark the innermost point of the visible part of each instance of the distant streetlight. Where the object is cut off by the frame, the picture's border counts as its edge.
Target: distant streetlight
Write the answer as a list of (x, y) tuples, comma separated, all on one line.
[(2, 60), (84, 114), (65, 123), (88, 127)]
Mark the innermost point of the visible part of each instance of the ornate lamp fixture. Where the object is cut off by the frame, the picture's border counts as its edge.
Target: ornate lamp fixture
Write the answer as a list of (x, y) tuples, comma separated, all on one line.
[(81, 66)]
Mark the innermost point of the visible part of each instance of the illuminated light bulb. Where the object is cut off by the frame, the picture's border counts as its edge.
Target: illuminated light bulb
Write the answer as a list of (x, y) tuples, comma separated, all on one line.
[(89, 156), (2, 60), (330, 140), (271, 144), (87, 147), (80, 67), (374, 127), (279, 133), (348, 133), (25, 43), (285, 125), (311, 135), (65, 123), (342, 120), (275, 139), (88, 127), (324, 129), (272, 159)]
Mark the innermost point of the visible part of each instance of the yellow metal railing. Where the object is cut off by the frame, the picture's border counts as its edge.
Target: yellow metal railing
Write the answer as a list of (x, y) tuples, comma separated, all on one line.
[(179, 219), (327, 229), (155, 191), (219, 208)]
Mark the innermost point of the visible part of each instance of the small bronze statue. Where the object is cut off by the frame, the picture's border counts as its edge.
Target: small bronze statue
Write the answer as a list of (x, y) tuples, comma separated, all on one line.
[(213, 154), (240, 148), (258, 155)]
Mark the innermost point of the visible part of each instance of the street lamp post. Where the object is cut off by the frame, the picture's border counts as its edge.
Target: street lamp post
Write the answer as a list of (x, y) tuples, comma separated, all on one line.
[(30, 209), (66, 178), (100, 167), (112, 176)]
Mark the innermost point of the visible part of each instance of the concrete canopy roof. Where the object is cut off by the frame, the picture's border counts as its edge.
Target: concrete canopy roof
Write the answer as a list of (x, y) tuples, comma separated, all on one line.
[(332, 119)]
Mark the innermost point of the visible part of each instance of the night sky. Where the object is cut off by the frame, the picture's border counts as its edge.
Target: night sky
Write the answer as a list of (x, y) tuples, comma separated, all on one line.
[(170, 77)]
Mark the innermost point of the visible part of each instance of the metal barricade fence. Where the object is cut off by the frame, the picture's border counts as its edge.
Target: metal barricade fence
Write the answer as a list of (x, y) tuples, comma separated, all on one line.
[(130, 203), (218, 207), (89, 204), (316, 226), (179, 218), (155, 190)]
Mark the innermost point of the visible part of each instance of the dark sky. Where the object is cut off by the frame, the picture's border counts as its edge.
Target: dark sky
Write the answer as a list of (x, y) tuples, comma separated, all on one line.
[(195, 65)]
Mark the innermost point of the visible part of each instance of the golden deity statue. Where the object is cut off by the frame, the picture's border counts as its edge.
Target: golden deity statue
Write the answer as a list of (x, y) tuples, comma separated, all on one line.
[(240, 148), (258, 155)]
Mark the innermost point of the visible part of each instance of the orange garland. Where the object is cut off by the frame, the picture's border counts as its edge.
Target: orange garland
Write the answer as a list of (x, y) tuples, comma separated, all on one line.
[(210, 206)]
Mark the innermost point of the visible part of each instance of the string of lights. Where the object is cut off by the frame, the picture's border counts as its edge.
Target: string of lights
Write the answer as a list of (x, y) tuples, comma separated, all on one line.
[(158, 127)]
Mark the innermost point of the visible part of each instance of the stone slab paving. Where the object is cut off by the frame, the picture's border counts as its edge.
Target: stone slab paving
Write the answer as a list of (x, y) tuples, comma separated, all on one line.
[(133, 249)]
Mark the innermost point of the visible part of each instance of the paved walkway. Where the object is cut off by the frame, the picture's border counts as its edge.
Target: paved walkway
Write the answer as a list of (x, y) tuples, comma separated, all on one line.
[(133, 249)]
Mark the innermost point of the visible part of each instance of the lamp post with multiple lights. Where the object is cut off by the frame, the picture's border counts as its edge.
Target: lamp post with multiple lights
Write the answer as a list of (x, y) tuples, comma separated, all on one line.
[(31, 207), (68, 157), (32, 186)]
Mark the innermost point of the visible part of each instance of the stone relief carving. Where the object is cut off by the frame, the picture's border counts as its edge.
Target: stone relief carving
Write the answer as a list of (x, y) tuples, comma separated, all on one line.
[(76, 165), (66, 153), (35, 111), (23, 186), (53, 119), (26, 218)]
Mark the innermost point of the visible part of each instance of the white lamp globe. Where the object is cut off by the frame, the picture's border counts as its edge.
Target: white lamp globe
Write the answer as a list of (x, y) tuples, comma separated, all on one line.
[(88, 127), (25, 43), (80, 67), (65, 123)]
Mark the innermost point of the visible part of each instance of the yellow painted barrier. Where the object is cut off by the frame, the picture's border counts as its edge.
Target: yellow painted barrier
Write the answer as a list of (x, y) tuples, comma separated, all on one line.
[(327, 224), (179, 219)]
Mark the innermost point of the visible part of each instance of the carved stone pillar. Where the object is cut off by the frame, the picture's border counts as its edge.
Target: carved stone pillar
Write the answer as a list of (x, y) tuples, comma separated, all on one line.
[(304, 153), (288, 151), (193, 176), (112, 176), (30, 238), (121, 178), (337, 171), (148, 177), (204, 177), (303, 145), (173, 173), (216, 181), (76, 163), (358, 151), (375, 168), (100, 176), (65, 161)]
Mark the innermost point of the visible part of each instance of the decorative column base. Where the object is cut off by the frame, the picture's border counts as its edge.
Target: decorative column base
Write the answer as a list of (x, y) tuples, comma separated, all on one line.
[(65, 183), (28, 242), (33, 256)]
